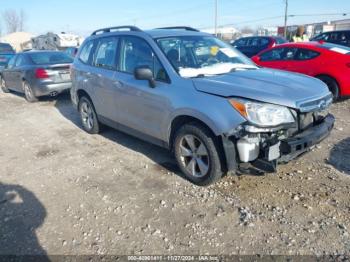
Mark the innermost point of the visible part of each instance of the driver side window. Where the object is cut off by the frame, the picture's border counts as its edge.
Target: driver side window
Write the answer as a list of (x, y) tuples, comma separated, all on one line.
[(136, 52), (272, 55)]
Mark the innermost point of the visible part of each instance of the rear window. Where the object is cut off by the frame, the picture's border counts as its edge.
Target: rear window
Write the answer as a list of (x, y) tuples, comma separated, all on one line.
[(47, 58), (336, 48), (4, 59), (4, 48)]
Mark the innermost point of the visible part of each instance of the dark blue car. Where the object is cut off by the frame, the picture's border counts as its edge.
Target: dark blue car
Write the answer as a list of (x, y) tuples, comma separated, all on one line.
[(251, 46)]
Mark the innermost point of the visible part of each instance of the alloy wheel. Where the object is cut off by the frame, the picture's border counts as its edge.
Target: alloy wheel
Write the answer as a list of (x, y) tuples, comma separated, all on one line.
[(87, 115), (194, 156)]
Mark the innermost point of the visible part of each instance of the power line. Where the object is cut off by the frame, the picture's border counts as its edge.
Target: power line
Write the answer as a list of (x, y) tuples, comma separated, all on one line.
[(291, 15)]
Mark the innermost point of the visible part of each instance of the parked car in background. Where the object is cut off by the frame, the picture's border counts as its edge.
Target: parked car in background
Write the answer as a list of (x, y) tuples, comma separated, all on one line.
[(251, 46), (334, 37), (327, 62), (4, 59), (6, 52), (71, 51), (37, 73), (6, 49), (198, 96)]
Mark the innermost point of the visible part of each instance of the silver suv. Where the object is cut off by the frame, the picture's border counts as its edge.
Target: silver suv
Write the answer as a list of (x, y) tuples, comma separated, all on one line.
[(199, 97)]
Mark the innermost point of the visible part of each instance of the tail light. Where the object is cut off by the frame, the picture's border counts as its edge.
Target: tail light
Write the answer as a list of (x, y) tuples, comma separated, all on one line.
[(41, 73)]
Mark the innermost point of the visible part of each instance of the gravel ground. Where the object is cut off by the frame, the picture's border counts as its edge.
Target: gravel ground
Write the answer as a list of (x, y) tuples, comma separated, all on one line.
[(63, 191)]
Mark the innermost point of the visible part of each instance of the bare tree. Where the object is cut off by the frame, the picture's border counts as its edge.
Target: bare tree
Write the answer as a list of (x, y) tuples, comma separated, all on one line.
[(14, 21)]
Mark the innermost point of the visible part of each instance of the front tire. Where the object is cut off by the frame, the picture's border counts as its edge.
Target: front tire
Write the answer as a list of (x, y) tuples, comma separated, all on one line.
[(88, 116), (197, 154), (28, 93), (3, 85), (332, 86)]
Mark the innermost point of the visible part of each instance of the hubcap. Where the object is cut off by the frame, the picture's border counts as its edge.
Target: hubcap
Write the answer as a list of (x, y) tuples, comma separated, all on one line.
[(87, 115), (194, 155)]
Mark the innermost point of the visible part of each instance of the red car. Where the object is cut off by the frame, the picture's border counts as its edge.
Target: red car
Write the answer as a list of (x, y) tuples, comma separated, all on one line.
[(327, 62)]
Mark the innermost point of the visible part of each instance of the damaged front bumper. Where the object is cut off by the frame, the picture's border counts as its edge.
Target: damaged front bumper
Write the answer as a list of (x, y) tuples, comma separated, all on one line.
[(264, 150)]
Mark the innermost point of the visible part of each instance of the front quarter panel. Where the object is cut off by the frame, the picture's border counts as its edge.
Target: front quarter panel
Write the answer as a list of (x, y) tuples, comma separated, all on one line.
[(215, 111)]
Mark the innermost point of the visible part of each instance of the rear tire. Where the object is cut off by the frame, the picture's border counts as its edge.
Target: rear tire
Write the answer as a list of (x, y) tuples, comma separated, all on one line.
[(332, 86), (3, 85), (197, 154), (88, 116), (28, 93)]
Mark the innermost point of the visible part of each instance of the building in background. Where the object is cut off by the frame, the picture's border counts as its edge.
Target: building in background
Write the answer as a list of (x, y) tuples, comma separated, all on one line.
[(267, 31), (226, 33), (316, 28), (18, 40)]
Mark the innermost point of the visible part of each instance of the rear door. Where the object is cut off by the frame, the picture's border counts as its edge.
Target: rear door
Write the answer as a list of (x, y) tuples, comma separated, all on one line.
[(17, 73), (101, 79)]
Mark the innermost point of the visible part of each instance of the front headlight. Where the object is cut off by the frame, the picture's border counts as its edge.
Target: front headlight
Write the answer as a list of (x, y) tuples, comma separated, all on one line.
[(262, 114)]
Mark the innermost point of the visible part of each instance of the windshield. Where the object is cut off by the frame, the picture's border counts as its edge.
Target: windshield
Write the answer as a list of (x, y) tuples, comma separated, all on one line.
[(47, 58), (195, 56)]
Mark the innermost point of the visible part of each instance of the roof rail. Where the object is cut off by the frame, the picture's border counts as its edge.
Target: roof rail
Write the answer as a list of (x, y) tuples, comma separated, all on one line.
[(116, 28), (187, 28)]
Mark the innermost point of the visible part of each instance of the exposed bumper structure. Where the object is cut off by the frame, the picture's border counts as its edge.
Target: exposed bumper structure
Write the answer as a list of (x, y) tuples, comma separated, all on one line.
[(300, 143), (264, 151)]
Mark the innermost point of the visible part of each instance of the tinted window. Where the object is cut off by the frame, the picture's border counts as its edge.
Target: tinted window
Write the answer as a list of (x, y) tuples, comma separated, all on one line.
[(240, 42), (47, 58), (272, 55), (4, 48), (264, 42), (280, 40), (86, 54), (320, 37), (11, 63), (135, 52), (305, 54), (106, 53), (279, 54), (20, 60), (4, 59)]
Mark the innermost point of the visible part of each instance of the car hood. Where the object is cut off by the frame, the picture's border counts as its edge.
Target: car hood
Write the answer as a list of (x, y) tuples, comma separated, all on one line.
[(265, 85)]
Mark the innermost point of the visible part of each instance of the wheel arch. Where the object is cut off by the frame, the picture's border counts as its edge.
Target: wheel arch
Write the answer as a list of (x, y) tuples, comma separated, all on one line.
[(81, 93), (180, 120), (319, 76)]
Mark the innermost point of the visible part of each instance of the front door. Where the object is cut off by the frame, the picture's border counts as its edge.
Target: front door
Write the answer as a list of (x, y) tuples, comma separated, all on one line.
[(141, 107)]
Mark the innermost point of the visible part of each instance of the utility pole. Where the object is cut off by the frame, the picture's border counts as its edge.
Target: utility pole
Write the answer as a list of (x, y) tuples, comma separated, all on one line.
[(216, 17), (285, 19)]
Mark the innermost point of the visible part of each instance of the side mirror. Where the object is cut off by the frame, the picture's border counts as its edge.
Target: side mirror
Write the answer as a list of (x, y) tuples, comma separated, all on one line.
[(145, 73)]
